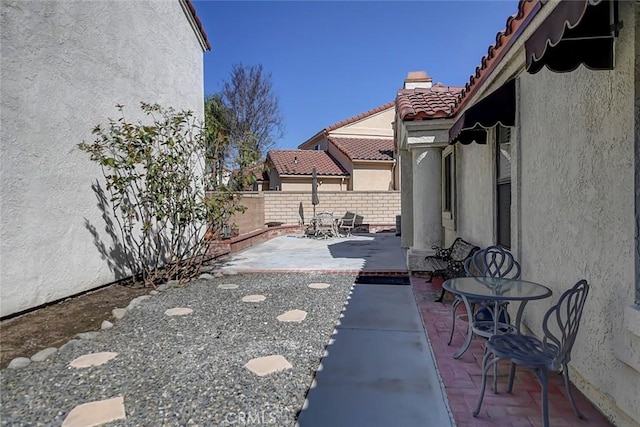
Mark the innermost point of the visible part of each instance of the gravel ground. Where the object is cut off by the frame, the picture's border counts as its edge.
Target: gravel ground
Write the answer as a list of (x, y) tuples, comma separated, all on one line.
[(189, 370)]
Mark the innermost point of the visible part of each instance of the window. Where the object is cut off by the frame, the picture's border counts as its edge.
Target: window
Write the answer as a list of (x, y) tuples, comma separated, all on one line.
[(503, 186), (448, 187)]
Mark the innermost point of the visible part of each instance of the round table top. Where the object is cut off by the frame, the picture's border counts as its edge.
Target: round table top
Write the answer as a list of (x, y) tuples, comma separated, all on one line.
[(497, 288)]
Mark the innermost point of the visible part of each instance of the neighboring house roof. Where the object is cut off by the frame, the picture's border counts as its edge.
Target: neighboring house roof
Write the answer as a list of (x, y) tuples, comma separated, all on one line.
[(365, 148), (198, 23), (515, 25), (349, 121), (302, 162), (427, 103)]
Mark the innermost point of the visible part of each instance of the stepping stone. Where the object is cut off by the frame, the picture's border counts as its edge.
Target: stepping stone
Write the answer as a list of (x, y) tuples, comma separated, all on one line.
[(178, 311), (262, 366), (19, 362), (43, 355), (154, 292), (93, 359), (96, 413), (319, 285), (206, 276), (254, 298), (292, 316), (228, 286)]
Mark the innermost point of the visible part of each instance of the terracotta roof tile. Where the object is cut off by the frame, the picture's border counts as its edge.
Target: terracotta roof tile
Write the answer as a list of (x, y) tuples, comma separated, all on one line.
[(301, 162), (516, 23), (427, 103), (365, 148), (359, 117)]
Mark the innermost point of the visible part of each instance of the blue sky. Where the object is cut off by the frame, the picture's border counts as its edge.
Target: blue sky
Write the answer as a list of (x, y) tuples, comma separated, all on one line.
[(332, 60)]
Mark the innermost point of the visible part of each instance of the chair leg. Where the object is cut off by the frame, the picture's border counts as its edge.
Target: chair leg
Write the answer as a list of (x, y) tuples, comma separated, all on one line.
[(454, 309), (567, 384), (486, 365), (512, 375), (542, 376), (441, 294)]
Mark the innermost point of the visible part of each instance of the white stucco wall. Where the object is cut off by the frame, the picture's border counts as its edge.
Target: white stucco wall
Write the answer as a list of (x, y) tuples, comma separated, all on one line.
[(475, 192), (64, 65), (577, 212)]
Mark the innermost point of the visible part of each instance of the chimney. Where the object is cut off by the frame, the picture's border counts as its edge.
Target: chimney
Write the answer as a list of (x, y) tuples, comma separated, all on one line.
[(417, 79)]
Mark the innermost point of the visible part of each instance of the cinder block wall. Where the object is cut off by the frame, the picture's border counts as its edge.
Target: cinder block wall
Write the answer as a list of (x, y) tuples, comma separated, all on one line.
[(251, 219), (375, 207)]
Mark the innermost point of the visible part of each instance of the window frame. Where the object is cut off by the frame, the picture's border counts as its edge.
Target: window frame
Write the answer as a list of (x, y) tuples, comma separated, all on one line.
[(502, 182), (448, 192)]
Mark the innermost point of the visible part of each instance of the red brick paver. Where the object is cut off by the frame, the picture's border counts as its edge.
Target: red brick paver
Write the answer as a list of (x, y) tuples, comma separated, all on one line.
[(462, 377)]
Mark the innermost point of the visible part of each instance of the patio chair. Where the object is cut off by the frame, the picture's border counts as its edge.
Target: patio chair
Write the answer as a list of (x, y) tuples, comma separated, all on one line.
[(492, 261), (348, 222), (552, 353), (325, 225)]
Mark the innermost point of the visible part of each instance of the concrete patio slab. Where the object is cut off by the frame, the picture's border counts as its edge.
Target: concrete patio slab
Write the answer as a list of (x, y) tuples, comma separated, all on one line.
[(363, 252)]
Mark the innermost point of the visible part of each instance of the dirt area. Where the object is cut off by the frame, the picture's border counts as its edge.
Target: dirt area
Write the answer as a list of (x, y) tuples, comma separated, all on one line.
[(54, 325)]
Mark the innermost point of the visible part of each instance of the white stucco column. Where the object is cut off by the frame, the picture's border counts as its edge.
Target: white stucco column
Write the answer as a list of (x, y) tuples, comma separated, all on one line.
[(406, 198), (427, 213)]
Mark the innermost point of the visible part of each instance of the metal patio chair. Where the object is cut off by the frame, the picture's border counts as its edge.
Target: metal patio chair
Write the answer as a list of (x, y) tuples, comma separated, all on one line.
[(492, 261), (552, 353), (348, 222)]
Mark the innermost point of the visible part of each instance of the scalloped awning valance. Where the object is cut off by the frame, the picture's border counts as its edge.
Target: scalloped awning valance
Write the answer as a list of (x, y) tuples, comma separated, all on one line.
[(576, 32), (497, 107)]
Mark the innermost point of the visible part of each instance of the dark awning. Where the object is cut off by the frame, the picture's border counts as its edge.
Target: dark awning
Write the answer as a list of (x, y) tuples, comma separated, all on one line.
[(576, 32), (497, 107)]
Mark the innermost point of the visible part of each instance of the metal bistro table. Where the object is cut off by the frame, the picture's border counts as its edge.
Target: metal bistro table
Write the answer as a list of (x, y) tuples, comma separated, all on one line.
[(498, 291)]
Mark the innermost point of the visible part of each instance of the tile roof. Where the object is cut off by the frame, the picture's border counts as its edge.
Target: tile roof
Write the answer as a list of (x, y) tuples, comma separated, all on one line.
[(365, 148), (427, 103), (516, 23), (359, 116), (192, 9), (301, 162)]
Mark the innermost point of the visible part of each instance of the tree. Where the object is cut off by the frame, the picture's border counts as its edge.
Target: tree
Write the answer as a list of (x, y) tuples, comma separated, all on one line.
[(156, 181), (255, 121), (217, 138)]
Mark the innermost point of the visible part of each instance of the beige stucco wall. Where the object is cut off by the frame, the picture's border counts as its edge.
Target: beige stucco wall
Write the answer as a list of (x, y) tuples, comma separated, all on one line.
[(577, 213), (378, 124), (64, 65), (304, 184), (372, 176)]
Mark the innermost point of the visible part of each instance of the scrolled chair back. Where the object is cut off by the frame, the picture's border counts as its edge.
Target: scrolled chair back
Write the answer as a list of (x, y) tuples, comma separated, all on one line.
[(566, 313), (494, 262)]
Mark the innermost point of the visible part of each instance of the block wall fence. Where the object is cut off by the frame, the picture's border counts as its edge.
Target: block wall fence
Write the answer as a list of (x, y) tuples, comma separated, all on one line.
[(376, 208)]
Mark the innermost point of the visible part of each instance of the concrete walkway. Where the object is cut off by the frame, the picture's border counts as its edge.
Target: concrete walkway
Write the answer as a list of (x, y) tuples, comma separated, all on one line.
[(378, 369)]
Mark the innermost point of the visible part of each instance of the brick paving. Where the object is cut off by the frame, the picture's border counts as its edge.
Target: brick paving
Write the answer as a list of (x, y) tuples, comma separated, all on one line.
[(462, 377)]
